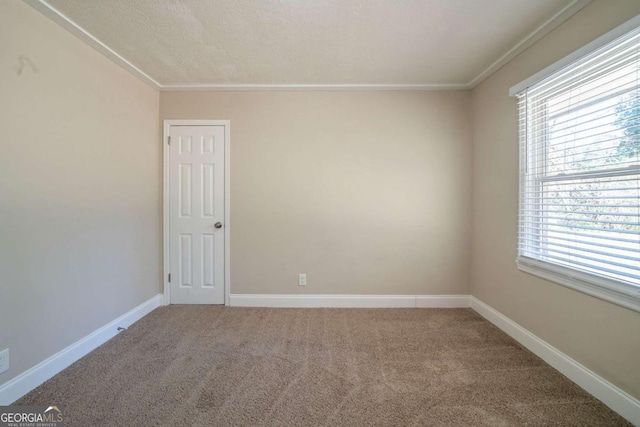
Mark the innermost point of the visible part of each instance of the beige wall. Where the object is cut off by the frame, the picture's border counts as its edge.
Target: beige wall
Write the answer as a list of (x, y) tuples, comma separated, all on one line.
[(602, 336), (80, 189), (366, 192)]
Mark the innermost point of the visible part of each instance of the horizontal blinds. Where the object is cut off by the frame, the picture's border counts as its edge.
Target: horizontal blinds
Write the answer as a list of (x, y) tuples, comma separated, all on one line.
[(579, 132)]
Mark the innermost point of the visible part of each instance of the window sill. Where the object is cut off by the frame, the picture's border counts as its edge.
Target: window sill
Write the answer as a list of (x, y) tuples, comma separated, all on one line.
[(624, 295)]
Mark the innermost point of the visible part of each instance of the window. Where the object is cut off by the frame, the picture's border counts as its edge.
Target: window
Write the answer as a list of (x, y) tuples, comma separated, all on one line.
[(579, 219)]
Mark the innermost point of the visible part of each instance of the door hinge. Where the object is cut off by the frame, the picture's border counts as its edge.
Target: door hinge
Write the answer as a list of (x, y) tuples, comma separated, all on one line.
[(169, 140), (169, 277)]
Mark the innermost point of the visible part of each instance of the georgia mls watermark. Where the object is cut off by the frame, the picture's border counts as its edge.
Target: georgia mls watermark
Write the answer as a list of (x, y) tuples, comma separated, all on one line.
[(31, 416)]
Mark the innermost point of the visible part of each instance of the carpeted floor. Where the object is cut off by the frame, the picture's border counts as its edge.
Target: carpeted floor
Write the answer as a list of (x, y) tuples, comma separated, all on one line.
[(217, 366)]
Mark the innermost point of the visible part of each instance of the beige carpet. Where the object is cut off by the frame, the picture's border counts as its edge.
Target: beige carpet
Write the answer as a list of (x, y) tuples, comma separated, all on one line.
[(217, 366)]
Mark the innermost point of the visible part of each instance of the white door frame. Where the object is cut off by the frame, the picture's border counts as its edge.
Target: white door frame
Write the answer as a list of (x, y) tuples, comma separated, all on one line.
[(227, 204)]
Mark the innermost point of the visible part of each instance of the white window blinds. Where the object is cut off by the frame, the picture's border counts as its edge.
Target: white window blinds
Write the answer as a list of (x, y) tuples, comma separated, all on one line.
[(580, 168)]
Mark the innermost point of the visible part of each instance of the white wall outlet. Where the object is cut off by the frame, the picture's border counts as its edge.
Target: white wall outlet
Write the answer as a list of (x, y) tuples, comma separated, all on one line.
[(302, 279), (4, 360)]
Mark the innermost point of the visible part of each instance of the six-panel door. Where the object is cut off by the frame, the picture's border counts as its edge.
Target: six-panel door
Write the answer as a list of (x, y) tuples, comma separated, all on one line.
[(196, 223)]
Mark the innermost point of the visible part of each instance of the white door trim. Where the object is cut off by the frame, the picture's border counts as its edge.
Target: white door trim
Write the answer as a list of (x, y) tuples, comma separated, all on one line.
[(227, 201)]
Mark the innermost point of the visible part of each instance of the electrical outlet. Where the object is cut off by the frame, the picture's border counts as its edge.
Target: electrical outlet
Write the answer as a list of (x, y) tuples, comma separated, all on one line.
[(4, 360), (302, 279)]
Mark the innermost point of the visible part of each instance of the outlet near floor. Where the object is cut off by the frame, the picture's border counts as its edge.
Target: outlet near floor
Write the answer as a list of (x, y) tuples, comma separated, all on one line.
[(4, 360), (302, 279)]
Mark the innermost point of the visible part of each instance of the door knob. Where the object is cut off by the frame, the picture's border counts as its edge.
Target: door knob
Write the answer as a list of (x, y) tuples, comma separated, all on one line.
[(218, 225)]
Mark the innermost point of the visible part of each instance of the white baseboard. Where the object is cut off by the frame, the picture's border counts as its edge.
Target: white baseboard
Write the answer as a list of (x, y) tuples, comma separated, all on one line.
[(615, 398), (348, 301), (17, 387), (443, 301)]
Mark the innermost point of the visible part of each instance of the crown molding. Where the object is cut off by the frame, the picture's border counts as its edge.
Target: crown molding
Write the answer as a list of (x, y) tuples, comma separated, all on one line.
[(556, 20), (54, 14), (315, 87), (551, 24)]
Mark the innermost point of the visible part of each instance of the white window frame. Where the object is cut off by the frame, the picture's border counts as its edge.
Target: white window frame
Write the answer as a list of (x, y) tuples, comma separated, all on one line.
[(611, 290)]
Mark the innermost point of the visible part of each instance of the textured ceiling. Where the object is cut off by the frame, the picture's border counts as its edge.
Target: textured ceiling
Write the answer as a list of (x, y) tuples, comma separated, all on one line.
[(323, 42)]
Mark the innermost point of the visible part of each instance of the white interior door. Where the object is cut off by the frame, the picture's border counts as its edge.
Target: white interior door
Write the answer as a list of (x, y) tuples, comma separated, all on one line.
[(196, 214)]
